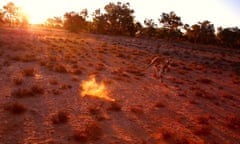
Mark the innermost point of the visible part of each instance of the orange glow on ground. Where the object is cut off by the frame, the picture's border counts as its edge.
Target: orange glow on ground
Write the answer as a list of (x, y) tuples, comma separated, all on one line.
[(94, 89)]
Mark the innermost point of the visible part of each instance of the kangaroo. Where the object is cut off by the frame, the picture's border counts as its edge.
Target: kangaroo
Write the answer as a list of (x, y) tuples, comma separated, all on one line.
[(160, 65)]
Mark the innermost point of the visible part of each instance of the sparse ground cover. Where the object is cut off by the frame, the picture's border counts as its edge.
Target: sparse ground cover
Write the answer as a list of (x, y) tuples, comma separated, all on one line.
[(61, 87)]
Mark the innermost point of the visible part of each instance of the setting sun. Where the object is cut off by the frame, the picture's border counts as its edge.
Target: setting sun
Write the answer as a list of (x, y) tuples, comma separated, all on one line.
[(36, 16), (38, 11)]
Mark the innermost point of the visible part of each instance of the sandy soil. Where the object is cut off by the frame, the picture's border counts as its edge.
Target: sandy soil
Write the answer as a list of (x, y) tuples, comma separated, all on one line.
[(59, 87)]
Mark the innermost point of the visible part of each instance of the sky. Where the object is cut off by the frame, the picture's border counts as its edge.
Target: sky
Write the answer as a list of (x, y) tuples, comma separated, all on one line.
[(225, 13)]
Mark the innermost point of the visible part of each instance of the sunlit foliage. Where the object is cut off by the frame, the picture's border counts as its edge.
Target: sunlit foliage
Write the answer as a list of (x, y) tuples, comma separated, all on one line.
[(74, 21), (117, 20), (13, 15), (229, 36), (55, 22), (203, 32)]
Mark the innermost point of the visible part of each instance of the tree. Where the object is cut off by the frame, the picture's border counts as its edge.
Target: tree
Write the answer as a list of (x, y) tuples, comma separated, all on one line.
[(207, 34), (1, 16), (55, 22), (138, 27), (120, 18), (229, 36), (150, 29), (74, 22), (117, 20), (171, 23), (14, 15), (100, 22), (193, 32), (202, 32), (84, 13), (10, 12)]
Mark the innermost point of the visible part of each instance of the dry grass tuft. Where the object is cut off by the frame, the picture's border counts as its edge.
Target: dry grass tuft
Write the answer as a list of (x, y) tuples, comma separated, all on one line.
[(138, 109), (192, 102), (182, 72), (119, 72), (15, 108), (56, 91), (22, 93), (114, 106), (97, 113), (199, 93), (37, 89), (104, 44), (202, 130), (166, 53), (204, 80), (174, 80), (227, 96), (108, 81), (17, 80), (53, 81), (77, 71), (25, 58), (101, 50), (42, 63), (28, 72), (80, 136), (181, 140), (203, 94), (94, 110), (182, 94), (60, 117), (92, 131), (59, 68), (28, 92), (198, 67), (65, 86), (166, 134), (74, 78), (235, 80), (100, 67), (134, 70), (233, 122), (202, 120), (121, 55), (159, 104)]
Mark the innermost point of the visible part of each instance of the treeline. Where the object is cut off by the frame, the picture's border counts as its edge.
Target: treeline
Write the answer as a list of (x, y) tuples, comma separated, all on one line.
[(118, 19), (13, 15)]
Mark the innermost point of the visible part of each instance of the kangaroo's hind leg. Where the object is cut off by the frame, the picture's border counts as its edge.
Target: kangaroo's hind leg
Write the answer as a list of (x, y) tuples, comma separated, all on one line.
[(160, 73)]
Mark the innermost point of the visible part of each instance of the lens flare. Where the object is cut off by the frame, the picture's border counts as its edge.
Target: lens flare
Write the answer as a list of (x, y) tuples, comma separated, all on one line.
[(94, 89)]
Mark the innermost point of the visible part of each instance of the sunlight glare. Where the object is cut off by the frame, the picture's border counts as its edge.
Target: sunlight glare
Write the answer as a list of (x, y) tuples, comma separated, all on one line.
[(92, 88), (36, 16), (220, 13), (39, 11)]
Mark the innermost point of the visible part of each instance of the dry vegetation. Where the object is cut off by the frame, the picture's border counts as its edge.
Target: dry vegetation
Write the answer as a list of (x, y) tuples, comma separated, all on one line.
[(15, 108), (60, 117), (60, 87)]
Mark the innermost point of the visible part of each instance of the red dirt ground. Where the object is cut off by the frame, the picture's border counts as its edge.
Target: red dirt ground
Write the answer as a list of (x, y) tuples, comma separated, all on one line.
[(60, 87)]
